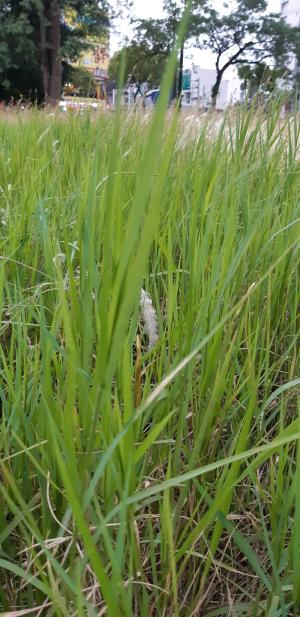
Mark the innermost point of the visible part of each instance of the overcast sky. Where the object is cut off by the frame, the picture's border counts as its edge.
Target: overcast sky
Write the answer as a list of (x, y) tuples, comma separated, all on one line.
[(153, 8)]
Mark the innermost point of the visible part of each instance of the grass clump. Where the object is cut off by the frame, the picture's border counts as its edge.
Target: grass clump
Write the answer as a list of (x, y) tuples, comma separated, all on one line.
[(149, 477)]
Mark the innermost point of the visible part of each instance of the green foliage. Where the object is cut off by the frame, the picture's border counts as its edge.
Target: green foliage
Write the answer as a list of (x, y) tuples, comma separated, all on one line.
[(248, 35), (159, 34), (139, 482), (89, 18), (142, 64), (16, 45), (25, 54), (261, 79), (19, 62), (81, 80)]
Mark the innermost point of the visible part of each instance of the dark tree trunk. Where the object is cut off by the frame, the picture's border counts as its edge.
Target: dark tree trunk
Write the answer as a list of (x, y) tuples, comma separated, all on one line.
[(216, 89), (50, 42), (55, 57), (45, 69), (138, 90)]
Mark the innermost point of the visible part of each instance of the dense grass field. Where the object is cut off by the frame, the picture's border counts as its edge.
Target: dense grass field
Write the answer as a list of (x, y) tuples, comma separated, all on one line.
[(150, 473)]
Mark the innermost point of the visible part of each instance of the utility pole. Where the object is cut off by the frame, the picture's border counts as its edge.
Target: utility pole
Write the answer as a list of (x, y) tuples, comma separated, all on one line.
[(180, 74), (180, 69), (178, 77)]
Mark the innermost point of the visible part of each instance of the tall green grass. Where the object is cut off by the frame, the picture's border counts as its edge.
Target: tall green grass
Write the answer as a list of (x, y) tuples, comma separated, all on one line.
[(162, 482)]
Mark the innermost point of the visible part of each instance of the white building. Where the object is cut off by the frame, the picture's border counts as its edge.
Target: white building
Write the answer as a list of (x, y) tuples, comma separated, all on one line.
[(290, 11), (201, 83)]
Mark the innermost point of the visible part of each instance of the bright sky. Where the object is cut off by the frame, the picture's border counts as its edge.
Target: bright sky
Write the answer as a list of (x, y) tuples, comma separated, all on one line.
[(153, 8)]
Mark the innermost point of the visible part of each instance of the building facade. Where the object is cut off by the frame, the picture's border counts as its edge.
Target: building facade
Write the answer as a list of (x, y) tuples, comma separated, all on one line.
[(290, 11), (199, 84), (95, 58)]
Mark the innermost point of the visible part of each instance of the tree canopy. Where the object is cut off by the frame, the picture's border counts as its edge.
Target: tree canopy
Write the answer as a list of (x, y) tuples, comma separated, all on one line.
[(158, 35), (39, 37), (246, 35), (142, 64), (18, 58), (261, 79)]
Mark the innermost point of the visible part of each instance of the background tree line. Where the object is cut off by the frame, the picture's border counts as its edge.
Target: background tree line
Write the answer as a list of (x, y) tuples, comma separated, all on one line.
[(259, 44), (39, 43)]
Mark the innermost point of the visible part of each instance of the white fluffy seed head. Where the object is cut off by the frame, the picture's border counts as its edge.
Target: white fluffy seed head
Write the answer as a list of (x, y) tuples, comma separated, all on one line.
[(149, 318), (59, 259)]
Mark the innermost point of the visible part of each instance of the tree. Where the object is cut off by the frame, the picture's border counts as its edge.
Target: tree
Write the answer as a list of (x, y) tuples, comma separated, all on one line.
[(43, 34), (260, 79), (17, 48), (248, 35), (142, 64), (159, 35), (64, 27), (78, 81)]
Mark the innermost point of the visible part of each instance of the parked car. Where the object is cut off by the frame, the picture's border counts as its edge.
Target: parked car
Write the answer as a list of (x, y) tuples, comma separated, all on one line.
[(150, 98), (81, 103)]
